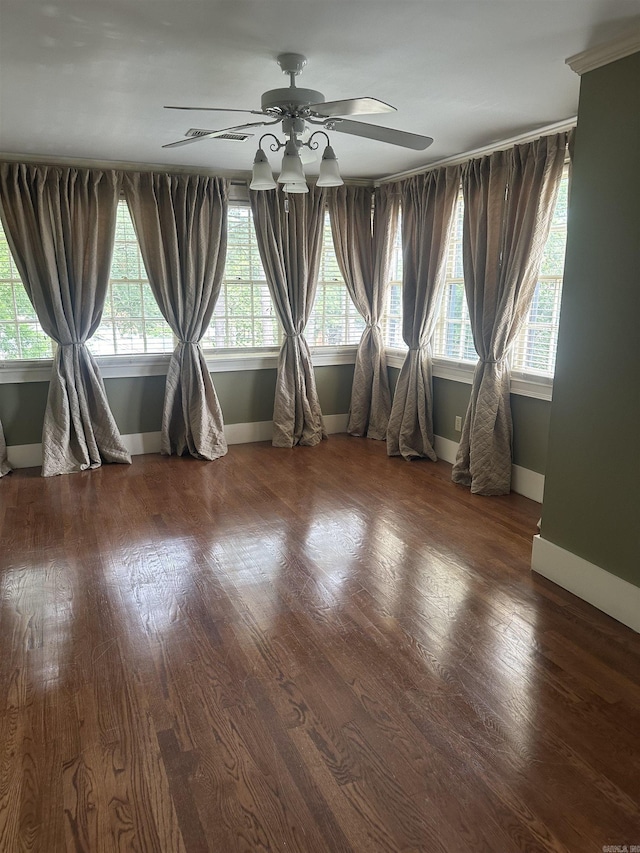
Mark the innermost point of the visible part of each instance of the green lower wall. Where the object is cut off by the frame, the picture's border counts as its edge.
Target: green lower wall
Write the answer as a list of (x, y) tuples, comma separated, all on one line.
[(530, 419), (22, 411), (247, 397), (136, 402), (530, 432)]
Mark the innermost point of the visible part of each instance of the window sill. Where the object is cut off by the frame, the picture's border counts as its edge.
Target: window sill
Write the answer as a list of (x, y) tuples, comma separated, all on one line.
[(227, 361), (156, 364), (523, 384)]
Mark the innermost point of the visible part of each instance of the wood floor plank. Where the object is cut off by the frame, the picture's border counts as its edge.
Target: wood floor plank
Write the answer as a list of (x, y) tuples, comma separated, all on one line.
[(311, 650)]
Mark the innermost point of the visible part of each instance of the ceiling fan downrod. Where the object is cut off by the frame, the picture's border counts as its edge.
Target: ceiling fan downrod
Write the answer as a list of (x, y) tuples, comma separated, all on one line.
[(292, 101)]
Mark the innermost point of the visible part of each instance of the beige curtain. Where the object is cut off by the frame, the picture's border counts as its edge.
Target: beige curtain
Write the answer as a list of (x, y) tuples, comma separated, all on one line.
[(428, 205), (181, 225), (60, 226), (363, 246), (4, 462), (509, 198), (289, 232)]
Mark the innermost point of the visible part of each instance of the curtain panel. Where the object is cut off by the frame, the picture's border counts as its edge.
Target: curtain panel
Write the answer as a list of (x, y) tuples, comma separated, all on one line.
[(4, 462), (509, 198), (181, 225), (60, 225), (363, 223), (428, 205), (289, 235)]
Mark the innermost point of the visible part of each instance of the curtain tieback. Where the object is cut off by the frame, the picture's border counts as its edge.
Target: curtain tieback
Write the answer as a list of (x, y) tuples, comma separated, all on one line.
[(491, 360), (372, 326), (73, 344), (188, 342), (292, 334)]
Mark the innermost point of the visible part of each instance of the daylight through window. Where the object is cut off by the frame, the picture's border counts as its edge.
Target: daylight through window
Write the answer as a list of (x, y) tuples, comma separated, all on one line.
[(334, 319), (131, 320), (21, 335), (244, 315), (534, 349), (392, 317)]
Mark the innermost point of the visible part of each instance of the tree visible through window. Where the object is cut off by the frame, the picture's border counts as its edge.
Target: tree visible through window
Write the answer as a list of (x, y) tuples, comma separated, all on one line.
[(131, 320), (334, 319), (453, 337), (392, 317), (534, 349), (244, 315), (21, 335)]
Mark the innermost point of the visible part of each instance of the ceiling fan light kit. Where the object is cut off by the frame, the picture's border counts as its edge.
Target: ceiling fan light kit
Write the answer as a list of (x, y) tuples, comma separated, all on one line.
[(291, 171), (329, 174), (262, 176), (295, 108), (296, 187)]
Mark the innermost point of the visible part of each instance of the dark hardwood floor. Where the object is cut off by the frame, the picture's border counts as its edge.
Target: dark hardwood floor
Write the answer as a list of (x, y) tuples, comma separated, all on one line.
[(321, 649)]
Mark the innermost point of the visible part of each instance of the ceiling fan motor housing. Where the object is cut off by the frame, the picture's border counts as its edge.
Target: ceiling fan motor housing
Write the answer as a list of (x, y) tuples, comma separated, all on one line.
[(291, 100)]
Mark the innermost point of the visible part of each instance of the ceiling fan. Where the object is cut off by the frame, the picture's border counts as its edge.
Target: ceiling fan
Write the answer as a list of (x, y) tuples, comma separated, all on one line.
[(295, 108)]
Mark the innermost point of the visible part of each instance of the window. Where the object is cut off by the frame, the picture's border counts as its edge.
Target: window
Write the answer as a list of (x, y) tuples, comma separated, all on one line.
[(244, 315), (392, 316), (131, 320), (453, 337), (21, 335), (534, 349), (132, 323), (334, 319)]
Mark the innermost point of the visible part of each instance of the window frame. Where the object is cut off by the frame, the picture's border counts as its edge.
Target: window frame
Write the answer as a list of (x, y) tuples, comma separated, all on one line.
[(262, 358), (523, 383), (218, 360), (330, 276)]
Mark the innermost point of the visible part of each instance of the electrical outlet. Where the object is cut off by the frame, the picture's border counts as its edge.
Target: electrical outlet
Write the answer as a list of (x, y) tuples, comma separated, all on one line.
[(458, 423)]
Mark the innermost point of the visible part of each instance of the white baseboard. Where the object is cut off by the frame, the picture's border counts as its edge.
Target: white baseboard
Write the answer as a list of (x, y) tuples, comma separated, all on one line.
[(138, 443), (24, 455), (613, 595), (446, 449), (335, 423), (523, 480), (244, 433), (263, 430), (30, 455), (526, 482)]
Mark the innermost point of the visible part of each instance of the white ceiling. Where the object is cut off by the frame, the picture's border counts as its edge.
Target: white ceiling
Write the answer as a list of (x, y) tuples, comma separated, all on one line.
[(87, 79)]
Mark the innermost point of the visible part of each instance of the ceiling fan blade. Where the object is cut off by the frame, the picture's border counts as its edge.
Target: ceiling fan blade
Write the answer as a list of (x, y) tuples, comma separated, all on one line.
[(382, 134), (352, 107), (215, 133), (218, 110)]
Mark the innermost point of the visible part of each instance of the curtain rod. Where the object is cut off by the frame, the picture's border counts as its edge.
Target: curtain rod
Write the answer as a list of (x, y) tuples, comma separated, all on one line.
[(130, 166), (121, 165), (529, 136), (243, 177)]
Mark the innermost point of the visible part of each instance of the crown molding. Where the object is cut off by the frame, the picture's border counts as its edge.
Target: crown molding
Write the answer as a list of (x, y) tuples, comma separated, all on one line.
[(528, 136), (603, 54)]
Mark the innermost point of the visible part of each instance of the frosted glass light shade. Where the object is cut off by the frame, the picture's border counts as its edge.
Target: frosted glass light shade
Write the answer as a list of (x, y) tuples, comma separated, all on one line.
[(292, 171), (262, 176), (296, 187), (329, 175)]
